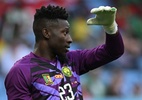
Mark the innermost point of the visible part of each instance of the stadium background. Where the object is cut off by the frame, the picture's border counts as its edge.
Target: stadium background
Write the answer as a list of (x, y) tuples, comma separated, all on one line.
[(118, 80)]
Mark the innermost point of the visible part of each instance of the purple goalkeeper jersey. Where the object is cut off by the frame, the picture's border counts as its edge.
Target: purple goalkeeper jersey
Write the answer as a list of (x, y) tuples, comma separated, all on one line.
[(36, 78)]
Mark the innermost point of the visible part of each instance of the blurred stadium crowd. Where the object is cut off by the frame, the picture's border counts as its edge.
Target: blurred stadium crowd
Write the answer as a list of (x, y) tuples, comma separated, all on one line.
[(118, 80)]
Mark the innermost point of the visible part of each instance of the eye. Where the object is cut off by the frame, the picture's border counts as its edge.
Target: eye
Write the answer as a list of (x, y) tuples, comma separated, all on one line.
[(65, 32)]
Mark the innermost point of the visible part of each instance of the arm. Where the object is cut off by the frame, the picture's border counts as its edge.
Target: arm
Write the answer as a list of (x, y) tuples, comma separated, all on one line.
[(16, 84), (86, 60), (113, 48)]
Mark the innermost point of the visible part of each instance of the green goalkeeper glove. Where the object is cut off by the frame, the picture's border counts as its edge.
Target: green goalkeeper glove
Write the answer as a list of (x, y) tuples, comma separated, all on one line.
[(105, 16)]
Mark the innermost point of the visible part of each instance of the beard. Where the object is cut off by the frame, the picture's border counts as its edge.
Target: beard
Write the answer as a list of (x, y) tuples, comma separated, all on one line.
[(63, 59)]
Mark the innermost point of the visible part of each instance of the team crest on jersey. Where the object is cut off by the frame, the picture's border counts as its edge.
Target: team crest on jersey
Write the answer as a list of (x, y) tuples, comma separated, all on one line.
[(66, 71), (47, 79)]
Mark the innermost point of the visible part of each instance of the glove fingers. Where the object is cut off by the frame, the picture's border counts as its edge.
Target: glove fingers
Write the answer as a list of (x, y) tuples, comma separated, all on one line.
[(102, 8), (95, 10), (105, 15)]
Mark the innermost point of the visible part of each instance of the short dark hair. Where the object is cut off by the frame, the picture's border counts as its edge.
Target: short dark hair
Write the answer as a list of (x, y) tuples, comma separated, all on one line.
[(51, 12), (48, 14)]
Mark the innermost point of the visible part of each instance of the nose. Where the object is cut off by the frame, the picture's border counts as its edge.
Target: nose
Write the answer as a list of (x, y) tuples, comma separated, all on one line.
[(69, 39)]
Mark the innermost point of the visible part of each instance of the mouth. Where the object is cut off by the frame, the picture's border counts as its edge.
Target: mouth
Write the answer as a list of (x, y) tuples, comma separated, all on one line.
[(67, 48)]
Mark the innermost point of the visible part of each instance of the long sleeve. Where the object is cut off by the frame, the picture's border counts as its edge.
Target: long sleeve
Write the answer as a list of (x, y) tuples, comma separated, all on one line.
[(86, 60)]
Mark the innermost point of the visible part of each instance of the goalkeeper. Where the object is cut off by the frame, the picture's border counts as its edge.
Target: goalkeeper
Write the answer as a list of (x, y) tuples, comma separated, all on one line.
[(51, 71)]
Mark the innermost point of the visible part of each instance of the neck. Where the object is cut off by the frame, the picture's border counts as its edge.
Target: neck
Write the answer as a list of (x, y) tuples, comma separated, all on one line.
[(42, 50)]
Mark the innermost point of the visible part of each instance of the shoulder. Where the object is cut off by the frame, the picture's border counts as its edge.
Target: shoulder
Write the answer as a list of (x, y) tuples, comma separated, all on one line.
[(19, 71), (22, 65)]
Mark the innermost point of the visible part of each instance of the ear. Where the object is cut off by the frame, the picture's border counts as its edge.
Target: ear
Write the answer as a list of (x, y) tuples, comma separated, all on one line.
[(46, 33)]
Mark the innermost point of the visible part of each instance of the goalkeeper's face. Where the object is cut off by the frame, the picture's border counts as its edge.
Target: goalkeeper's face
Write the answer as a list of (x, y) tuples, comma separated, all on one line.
[(60, 39)]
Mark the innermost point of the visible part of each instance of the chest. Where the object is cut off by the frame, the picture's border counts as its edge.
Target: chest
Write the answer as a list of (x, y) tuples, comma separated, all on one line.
[(55, 81)]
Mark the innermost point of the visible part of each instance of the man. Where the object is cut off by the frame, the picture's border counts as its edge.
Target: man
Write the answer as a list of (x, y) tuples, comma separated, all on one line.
[(51, 71)]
